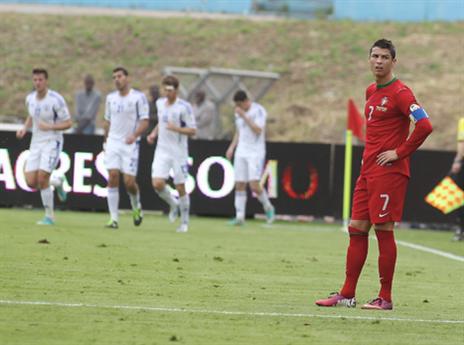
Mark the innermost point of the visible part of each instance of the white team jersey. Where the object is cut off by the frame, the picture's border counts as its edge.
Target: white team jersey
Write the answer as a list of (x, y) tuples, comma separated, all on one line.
[(50, 109), (250, 143), (180, 114), (124, 113)]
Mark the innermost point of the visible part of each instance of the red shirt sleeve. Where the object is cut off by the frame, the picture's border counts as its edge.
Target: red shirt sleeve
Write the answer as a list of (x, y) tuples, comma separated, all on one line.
[(404, 99), (421, 132)]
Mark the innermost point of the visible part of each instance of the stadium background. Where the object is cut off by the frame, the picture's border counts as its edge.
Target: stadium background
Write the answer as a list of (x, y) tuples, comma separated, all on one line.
[(78, 283), (305, 105)]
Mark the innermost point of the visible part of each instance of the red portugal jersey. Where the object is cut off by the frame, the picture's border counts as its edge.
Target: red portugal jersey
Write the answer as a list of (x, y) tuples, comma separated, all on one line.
[(387, 117)]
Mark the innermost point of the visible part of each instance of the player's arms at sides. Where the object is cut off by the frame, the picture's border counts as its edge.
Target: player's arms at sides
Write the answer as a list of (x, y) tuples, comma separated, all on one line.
[(423, 128), (232, 146), (58, 126), (22, 131), (141, 128), (189, 131), (254, 127), (152, 136)]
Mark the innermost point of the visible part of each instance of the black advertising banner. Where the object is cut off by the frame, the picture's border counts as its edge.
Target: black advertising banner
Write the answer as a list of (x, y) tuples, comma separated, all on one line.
[(301, 179), (295, 176)]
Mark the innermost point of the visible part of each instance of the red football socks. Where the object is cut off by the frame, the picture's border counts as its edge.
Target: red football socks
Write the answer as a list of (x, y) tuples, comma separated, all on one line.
[(355, 258), (387, 260)]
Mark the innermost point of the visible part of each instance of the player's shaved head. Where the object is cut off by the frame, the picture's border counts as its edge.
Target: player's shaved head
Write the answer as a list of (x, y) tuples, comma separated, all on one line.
[(121, 80), (384, 44)]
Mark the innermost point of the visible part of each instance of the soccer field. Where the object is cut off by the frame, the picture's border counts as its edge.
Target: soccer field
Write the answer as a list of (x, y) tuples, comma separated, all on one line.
[(213, 285)]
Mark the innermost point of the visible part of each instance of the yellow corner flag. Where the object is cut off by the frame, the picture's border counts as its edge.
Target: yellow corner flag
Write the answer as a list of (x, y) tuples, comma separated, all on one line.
[(446, 196)]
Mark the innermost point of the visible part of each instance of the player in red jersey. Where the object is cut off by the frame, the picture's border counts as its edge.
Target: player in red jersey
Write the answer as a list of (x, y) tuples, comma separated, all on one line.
[(381, 187)]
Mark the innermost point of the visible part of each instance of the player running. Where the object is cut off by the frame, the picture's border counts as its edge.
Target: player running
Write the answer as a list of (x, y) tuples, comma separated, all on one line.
[(381, 187), (48, 117), (126, 119), (175, 124), (249, 144)]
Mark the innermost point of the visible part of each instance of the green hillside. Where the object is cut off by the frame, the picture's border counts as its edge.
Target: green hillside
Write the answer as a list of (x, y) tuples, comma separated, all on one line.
[(322, 63)]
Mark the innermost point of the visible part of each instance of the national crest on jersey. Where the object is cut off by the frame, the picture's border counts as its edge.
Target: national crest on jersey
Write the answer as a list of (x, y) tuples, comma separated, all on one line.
[(383, 103)]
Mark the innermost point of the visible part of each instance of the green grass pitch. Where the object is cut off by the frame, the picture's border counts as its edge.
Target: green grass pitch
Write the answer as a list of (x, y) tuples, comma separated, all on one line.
[(213, 285)]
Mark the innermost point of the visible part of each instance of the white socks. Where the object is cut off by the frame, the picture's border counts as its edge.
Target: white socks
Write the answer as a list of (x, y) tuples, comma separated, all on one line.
[(55, 180), (165, 194), (240, 204), (264, 200), (113, 202), (184, 205), (135, 200), (47, 201)]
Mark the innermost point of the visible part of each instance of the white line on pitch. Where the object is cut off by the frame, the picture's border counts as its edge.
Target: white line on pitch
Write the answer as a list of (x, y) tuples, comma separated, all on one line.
[(431, 250), (427, 250), (222, 312)]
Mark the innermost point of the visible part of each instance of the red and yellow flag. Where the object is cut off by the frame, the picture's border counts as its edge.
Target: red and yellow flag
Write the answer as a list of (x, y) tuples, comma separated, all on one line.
[(446, 196)]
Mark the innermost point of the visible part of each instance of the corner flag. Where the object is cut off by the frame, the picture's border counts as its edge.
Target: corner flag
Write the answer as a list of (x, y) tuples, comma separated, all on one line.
[(354, 127), (446, 196), (355, 121)]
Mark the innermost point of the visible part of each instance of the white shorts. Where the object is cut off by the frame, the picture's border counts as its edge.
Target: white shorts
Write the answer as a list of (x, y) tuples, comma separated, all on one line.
[(44, 156), (121, 156), (248, 168), (163, 163)]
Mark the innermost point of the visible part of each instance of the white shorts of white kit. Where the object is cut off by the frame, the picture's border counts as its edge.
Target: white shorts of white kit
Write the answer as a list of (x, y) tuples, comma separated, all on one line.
[(44, 156), (121, 156), (248, 168), (163, 163)]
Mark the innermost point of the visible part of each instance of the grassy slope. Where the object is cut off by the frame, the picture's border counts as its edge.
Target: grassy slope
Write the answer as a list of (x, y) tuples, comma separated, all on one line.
[(252, 269), (322, 63)]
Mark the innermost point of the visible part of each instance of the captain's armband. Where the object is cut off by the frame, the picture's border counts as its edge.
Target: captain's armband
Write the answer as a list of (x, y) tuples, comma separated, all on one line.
[(417, 113)]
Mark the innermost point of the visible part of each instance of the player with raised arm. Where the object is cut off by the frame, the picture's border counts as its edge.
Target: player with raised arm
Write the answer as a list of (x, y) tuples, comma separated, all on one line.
[(249, 145), (126, 119), (176, 123), (380, 190), (48, 117)]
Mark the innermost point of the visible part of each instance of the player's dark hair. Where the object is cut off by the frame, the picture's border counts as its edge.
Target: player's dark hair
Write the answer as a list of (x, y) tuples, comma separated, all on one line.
[(170, 80), (384, 44), (240, 96), (42, 71), (121, 69)]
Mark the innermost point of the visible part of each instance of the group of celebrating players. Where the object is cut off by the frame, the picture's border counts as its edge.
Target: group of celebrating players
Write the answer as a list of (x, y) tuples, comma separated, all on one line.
[(126, 120), (379, 192)]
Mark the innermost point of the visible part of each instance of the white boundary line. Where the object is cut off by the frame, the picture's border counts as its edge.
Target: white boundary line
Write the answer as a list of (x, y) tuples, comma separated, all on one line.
[(431, 250), (223, 312), (427, 250)]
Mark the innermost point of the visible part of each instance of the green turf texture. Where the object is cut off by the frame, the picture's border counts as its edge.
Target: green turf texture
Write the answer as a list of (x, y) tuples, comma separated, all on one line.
[(250, 269)]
